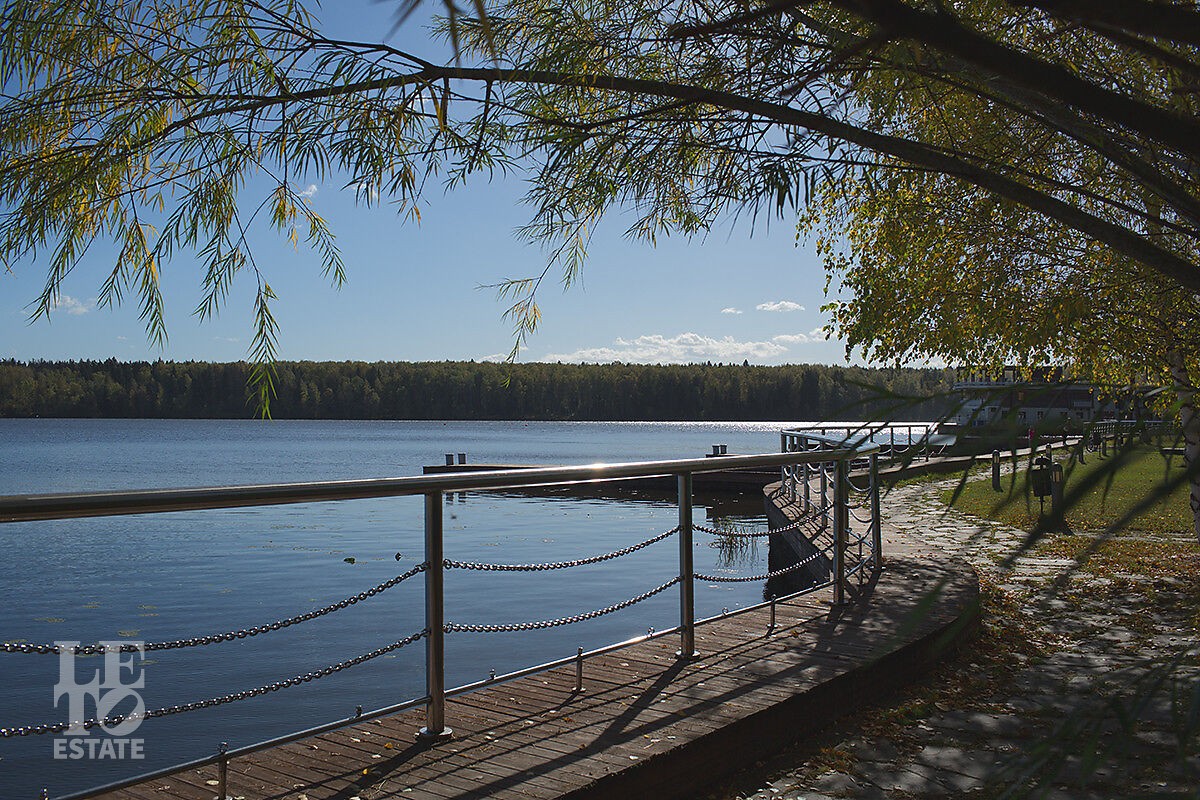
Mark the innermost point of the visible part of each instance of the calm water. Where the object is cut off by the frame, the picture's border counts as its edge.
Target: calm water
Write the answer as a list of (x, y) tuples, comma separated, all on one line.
[(169, 576)]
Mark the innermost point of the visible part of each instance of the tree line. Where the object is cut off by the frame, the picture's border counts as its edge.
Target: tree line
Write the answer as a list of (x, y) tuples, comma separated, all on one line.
[(470, 390)]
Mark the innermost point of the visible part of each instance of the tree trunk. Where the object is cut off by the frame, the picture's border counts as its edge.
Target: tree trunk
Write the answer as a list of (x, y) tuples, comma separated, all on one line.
[(1189, 419)]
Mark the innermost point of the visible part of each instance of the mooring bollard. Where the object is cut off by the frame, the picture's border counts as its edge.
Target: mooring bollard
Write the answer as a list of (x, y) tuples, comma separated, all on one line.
[(579, 670), (996, 470)]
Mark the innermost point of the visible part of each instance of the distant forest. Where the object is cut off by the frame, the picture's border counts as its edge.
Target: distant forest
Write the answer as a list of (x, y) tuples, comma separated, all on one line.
[(469, 390)]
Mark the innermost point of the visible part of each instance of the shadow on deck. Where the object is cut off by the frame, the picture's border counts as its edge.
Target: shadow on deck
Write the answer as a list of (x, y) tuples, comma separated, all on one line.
[(645, 724)]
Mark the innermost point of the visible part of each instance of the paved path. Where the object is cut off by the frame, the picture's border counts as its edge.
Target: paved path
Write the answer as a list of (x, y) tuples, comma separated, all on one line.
[(1028, 700)]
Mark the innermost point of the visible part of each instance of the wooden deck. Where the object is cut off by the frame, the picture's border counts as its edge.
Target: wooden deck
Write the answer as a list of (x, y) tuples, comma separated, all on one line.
[(645, 724)]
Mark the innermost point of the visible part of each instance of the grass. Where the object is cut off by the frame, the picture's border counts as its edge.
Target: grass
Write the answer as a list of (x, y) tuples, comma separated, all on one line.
[(1122, 483)]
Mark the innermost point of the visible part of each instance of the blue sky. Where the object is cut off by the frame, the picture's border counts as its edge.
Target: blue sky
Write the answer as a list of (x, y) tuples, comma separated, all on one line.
[(742, 292)]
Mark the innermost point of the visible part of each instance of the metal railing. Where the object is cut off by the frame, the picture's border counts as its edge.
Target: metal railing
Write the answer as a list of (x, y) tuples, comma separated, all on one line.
[(1099, 433), (803, 453), (828, 490), (897, 441)]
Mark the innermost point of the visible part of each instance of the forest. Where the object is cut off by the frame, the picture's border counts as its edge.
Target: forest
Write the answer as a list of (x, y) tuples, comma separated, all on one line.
[(469, 390)]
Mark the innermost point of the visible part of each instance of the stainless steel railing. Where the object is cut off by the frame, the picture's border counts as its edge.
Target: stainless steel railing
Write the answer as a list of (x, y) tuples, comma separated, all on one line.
[(897, 441), (826, 489), (804, 454)]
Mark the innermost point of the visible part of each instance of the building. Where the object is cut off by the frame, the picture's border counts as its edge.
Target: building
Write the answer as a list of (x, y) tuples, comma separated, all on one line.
[(1047, 399)]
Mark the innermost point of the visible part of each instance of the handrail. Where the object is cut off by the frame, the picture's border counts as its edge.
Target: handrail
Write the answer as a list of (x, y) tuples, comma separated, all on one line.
[(866, 434), (25, 508)]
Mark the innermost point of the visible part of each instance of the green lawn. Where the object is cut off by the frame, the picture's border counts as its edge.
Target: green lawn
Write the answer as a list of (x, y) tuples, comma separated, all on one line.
[(1123, 484)]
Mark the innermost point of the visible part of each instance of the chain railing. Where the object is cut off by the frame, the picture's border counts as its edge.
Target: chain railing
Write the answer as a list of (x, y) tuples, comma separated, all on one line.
[(214, 638), (823, 462), (897, 441), (841, 496)]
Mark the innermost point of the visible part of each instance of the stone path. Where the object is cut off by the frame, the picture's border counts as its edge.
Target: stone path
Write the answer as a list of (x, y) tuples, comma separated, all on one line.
[(1072, 692)]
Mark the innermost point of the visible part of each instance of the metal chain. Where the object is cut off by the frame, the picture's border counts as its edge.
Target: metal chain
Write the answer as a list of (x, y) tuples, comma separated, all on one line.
[(90, 649), (773, 574), (800, 523), (866, 520), (737, 534), (166, 711), (558, 564), (856, 488), (454, 627), (810, 521), (860, 540)]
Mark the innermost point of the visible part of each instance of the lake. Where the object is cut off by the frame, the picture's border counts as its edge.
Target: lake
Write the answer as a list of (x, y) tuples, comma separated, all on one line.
[(168, 576)]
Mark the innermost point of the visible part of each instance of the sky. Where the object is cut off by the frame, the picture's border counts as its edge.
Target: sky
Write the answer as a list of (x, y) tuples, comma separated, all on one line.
[(744, 292)]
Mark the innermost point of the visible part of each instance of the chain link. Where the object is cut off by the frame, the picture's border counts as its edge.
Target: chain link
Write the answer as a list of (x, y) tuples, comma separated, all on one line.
[(737, 534), (92, 649), (865, 520), (166, 711), (558, 564), (860, 539), (454, 627), (856, 488), (800, 523), (773, 574)]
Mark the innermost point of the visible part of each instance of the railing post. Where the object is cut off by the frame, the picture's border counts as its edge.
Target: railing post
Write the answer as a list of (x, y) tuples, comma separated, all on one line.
[(579, 670), (806, 490), (223, 771), (687, 600), (841, 508), (876, 518), (435, 638), (787, 479), (824, 470)]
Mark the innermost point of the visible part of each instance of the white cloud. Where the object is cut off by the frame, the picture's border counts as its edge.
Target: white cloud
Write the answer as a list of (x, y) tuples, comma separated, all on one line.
[(365, 193), (495, 357), (681, 349), (731, 310), (309, 191), (73, 306), (815, 335), (780, 305)]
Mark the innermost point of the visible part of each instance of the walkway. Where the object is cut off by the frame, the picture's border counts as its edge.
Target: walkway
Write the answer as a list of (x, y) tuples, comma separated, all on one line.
[(1033, 703), (645, 724)]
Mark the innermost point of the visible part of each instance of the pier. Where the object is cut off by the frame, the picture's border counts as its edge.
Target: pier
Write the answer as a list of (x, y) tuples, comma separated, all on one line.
[(644, 723), (659, 715)]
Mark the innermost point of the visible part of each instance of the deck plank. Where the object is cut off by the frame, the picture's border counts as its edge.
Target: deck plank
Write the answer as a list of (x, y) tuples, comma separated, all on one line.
[(643, 715)]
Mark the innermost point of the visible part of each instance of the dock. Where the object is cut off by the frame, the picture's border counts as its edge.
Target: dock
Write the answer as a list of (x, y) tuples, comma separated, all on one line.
[(637, 719), (645, 723)]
